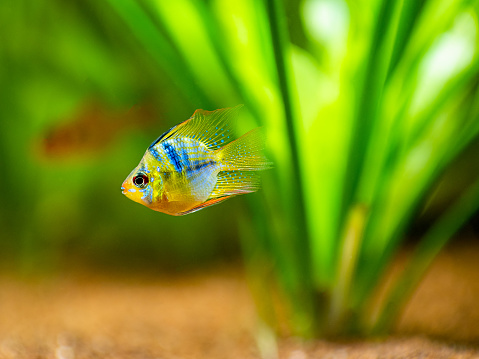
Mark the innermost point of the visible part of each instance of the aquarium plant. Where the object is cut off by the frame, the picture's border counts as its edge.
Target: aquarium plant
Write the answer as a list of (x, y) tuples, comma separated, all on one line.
[(365, 105)]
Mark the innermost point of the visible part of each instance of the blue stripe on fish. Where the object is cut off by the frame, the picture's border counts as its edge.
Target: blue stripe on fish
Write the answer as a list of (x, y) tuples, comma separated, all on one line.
[(155, 154), (173, 156), (184, 158)]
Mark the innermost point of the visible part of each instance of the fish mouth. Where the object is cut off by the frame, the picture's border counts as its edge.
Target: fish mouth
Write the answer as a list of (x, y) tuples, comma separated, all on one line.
[(126, 188)]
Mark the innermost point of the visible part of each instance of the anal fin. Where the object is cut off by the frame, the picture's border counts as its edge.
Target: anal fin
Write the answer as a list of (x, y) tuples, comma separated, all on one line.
[(208, 203), (230, 183)]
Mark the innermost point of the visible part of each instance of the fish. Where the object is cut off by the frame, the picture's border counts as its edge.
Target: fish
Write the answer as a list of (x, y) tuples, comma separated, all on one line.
[(198, 163), (90, 131)]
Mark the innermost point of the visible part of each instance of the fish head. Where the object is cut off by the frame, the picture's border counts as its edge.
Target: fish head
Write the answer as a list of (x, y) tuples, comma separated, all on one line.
[(139, 185)]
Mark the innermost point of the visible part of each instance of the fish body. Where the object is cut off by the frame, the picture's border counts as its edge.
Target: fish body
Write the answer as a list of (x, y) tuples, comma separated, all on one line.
[(196, 164)]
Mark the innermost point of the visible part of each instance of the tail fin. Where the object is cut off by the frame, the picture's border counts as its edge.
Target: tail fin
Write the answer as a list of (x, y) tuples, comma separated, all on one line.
[(245, 153)]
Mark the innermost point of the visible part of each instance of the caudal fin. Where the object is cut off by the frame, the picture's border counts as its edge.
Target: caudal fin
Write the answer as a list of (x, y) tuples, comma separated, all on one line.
[(244, 153)]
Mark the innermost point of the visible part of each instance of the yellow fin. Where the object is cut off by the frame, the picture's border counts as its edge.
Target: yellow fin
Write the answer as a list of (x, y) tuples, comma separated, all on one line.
[(213, 128), (232, 183), (229, 184), (208, 203), (245, 153)]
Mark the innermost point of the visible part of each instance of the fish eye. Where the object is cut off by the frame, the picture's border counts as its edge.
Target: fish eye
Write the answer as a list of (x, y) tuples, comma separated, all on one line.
[(140, 180)]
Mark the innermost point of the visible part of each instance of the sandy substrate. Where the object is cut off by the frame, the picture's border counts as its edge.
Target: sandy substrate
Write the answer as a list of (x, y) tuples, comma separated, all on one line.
[(211, 315)]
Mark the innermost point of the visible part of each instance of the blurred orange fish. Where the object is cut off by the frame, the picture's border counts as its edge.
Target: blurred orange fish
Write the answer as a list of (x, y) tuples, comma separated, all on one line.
[(90, 131)]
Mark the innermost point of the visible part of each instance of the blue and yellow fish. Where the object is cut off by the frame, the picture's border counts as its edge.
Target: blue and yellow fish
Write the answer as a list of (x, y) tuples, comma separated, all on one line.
[(196, 164)]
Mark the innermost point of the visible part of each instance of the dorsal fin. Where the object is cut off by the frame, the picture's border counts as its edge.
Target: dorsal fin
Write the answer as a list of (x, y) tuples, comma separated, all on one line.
[(163, 135), (213, 128)]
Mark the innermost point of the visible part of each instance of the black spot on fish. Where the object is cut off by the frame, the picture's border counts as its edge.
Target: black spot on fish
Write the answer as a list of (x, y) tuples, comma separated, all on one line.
[(204, 164), (197, 165)]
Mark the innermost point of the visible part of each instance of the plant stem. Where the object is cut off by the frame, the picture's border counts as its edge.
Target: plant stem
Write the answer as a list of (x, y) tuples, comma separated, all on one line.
[(279, 37), (349, 252), (160, 48), (217, 39), (370, 93)]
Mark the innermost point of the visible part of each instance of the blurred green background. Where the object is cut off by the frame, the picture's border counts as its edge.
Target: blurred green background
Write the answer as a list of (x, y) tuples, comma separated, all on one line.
[(81, 101), (371, 110)]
